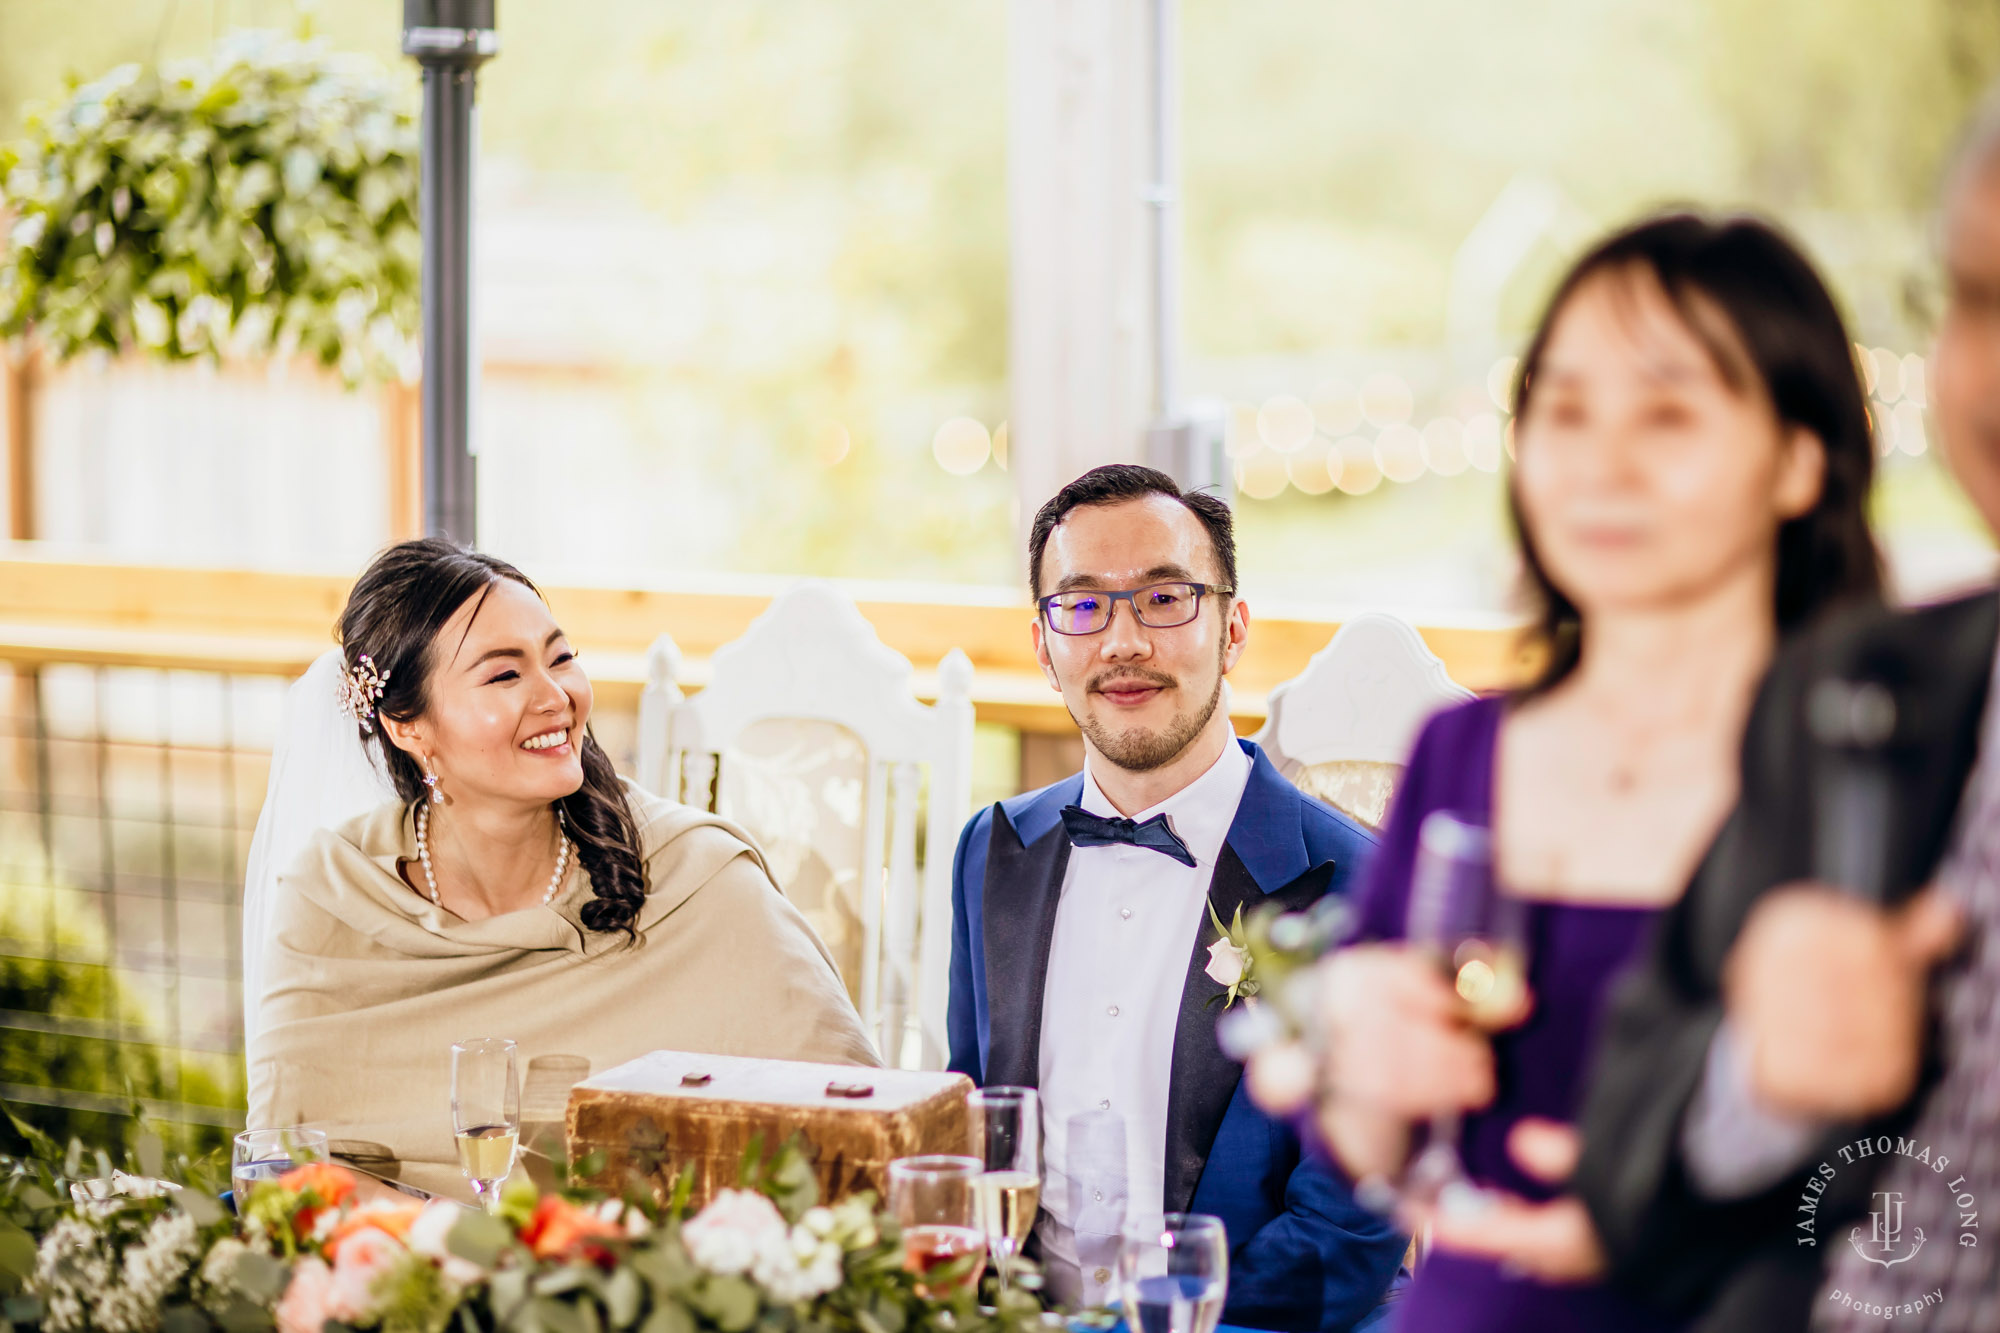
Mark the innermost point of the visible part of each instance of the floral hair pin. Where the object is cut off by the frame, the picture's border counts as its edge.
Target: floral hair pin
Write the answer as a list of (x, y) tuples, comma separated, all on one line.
[(359, 689)]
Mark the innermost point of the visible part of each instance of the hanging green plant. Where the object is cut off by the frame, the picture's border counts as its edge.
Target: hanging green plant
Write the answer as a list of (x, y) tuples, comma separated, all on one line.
[(261, 201)]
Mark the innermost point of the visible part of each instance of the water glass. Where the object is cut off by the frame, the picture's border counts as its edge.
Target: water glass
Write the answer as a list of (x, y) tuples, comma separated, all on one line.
[(1173, 1272), (266, 1154), (485, 1111), (1007, 1138), (933, 1200), (544, 1107)]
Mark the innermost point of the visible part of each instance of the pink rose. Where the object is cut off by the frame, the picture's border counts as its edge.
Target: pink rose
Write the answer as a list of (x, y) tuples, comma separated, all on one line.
[(304, 1307), (364, 1257)]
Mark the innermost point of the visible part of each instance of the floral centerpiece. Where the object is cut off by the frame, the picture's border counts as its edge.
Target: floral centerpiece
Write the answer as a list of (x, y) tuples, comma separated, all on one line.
[(118, 1253)]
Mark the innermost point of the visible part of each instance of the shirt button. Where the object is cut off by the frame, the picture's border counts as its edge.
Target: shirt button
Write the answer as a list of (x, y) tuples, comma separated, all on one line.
[(1104, 1105), (1113, 1011), (1097, 1195), (1101, 1276), (1125, 912)]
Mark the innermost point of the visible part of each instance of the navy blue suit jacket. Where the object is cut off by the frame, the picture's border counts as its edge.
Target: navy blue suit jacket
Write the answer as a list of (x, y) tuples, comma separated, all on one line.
[(1303, 1253)]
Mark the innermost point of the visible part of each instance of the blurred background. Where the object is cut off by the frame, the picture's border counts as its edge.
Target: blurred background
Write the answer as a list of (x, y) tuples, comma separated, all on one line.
[(742, 276), (743, 279)]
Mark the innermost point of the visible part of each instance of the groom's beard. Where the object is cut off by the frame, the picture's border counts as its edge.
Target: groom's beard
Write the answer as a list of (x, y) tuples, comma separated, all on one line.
[(1137, 750)]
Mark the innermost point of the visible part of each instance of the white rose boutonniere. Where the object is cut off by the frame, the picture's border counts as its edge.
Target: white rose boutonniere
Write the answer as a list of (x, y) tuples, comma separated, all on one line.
[(1229, 962)]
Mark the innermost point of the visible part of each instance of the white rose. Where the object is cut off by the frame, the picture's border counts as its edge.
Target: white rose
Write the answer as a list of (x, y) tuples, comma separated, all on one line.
[(1226, 963), (428, 1235), (727, 1236)]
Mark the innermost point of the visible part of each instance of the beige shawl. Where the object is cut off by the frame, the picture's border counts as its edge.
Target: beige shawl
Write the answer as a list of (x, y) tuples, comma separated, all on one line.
[(368, 983)]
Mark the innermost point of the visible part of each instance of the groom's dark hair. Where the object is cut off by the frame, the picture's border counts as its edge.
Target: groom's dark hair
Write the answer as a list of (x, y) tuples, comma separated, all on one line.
[(1115, 483)]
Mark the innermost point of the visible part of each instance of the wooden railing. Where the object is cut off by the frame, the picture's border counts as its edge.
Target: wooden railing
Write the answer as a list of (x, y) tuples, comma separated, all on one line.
[(253, 622)]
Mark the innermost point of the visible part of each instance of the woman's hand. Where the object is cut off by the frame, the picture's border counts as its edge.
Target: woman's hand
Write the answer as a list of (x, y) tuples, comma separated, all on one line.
[(1554, 1241), (1400, 1048)]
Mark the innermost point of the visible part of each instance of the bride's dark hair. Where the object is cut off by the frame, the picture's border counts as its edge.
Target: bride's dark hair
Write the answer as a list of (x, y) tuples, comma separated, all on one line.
[(393, 615)]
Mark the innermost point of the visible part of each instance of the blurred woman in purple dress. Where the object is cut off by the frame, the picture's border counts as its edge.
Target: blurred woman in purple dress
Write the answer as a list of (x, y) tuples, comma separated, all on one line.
[(1693, 463)]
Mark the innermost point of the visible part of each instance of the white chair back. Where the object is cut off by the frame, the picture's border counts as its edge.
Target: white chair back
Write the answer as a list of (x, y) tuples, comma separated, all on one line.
[(1343, 727), (810, 735)]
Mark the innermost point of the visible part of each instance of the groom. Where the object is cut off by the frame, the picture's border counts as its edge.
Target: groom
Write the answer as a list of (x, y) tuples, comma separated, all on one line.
[(1081, 918)]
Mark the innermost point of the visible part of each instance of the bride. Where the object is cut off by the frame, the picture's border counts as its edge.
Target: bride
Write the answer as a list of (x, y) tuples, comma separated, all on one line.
[(511, 886)]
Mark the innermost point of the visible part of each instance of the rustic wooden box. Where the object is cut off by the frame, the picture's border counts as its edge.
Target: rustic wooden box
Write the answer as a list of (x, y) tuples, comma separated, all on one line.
[(655, 1115)]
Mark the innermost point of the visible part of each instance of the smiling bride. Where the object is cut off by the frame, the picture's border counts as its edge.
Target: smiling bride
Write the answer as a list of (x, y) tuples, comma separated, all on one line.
[(515, 886)]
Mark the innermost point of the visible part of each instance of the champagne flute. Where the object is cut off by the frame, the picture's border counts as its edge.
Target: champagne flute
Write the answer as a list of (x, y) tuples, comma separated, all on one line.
[(266, 1154), (485, 1112), (1173, 1272), (932, 1199), (1007, 1137), (1477, 935)]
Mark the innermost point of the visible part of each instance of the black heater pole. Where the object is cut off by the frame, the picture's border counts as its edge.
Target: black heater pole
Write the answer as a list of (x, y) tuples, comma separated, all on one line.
[(451, 39)]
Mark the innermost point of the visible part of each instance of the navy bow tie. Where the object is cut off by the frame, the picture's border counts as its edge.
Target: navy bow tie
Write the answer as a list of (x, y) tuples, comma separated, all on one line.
[(1088, 830)]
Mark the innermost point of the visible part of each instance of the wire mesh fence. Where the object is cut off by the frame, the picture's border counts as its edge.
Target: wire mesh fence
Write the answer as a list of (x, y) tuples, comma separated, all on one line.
[(128, 798)]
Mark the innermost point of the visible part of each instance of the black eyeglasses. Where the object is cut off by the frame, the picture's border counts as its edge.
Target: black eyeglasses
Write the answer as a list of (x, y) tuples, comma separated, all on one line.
[(1159, 606)]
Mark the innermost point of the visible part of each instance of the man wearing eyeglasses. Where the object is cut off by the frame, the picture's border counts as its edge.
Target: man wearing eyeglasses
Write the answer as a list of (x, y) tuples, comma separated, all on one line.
[(1084, 920)]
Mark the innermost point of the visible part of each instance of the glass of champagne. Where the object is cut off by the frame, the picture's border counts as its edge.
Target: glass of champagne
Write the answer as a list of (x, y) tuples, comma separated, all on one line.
[(1173, 1273), (1007, 1137), (933, 1201), (266, 1154), (1477, 936), (485, 1111)]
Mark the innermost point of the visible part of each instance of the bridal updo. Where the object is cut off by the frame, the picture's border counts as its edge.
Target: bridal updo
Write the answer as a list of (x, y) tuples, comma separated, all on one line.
[(393, 615)]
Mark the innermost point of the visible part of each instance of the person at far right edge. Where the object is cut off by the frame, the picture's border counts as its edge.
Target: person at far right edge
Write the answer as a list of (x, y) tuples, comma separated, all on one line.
[(1795, 1117)]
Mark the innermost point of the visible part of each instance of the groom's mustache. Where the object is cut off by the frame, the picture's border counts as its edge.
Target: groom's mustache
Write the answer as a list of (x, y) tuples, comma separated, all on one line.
[(1127, 677)]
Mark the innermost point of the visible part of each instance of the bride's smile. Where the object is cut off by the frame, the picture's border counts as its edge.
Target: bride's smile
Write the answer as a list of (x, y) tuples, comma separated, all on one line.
[(506, 712)]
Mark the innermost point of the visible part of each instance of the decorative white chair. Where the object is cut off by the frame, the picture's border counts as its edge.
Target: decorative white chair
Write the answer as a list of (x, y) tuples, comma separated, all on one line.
[(809, 735), (1342, 729)]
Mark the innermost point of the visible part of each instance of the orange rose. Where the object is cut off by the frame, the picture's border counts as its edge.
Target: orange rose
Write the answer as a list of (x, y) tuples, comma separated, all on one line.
[(393, 1219), (333, 1184), (559, 1228), (326, 1185)]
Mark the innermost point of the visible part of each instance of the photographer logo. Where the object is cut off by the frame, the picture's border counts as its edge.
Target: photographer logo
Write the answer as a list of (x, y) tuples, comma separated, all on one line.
[(1885, 1233), (1895, 1233)]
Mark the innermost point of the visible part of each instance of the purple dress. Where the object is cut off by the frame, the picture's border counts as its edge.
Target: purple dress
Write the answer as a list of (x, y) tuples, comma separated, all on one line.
[(1574, 953)]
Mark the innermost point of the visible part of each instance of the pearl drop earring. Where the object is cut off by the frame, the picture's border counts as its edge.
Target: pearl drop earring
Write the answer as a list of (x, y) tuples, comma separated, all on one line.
[(431, 781)]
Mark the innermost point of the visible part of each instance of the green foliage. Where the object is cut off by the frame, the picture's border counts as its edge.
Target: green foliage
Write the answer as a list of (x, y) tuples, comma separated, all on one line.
[(536, 1265), (68, 976), (45, 1189), (263, 200)]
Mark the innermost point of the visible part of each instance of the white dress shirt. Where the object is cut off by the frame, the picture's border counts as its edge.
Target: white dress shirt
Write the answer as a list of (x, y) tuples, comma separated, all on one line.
[(1126, 926)]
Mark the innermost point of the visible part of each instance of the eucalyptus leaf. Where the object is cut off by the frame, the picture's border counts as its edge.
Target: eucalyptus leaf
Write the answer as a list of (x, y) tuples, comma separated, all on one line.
[(559, 1316), (730, 1303), (184, 1319), (670, 1317), (150, 1153), (665, 1266), (509, 1288), (624, 1295), (205, 1210), (478, 1237), (259, 1276), (567, 1278)]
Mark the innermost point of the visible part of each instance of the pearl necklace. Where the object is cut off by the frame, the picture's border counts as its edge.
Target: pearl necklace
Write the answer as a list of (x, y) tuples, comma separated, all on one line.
[(424, 855)]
